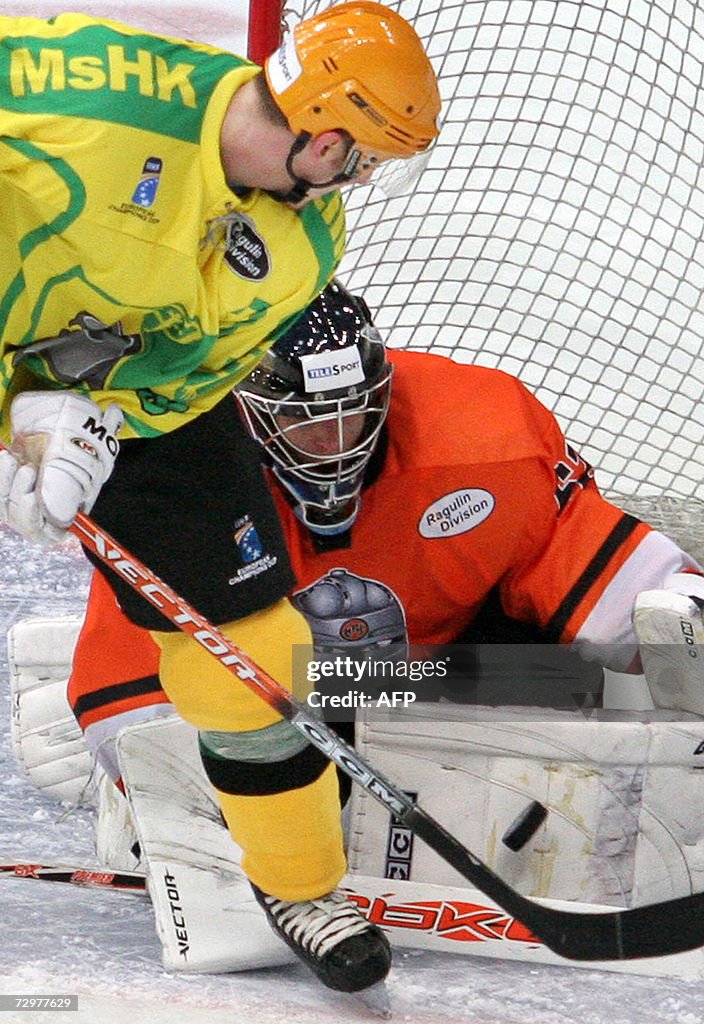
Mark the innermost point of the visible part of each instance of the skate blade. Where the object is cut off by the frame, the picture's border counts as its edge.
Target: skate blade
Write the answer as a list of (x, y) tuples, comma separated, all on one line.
[(376, 999)]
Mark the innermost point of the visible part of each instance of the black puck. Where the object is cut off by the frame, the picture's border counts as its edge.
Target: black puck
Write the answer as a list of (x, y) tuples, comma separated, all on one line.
[(524, 826)]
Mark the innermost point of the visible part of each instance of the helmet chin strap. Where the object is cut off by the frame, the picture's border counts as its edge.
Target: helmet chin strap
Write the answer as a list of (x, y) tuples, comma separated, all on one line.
[(301, 186), (323, 528), (317, 520)]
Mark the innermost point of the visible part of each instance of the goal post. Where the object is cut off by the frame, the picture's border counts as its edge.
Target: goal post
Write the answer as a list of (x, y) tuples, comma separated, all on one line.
[(557, 230), (250, 28), (263, 28)]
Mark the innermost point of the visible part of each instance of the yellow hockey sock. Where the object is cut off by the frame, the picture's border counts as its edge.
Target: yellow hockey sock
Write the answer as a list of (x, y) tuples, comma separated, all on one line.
[(291, 838)]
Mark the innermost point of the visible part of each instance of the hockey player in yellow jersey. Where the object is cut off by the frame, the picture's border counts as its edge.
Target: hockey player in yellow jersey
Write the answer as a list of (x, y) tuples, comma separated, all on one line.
[(169, 209), (138, 177)]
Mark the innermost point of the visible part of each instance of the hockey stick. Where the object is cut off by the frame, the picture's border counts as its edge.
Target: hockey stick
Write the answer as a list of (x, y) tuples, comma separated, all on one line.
[(657, 929), (123, 881)]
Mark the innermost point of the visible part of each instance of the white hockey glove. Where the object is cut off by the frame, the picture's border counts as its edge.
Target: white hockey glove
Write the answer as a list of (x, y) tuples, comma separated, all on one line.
[(63, 450)]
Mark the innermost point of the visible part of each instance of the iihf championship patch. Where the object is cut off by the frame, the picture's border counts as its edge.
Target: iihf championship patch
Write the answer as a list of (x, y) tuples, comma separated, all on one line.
[(148, 184), (247, 540), (251, 551)]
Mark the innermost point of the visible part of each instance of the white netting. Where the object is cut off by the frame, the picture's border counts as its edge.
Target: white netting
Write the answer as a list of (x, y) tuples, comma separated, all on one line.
[(557, 231)]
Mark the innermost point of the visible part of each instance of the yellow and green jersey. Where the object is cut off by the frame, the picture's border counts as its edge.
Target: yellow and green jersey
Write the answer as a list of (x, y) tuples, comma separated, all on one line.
[(111, 238)]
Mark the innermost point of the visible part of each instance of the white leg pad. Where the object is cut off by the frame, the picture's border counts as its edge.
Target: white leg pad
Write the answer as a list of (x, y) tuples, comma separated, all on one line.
[(46, 738), (671, 640), (206, 915), (625, 799), (116, 841)]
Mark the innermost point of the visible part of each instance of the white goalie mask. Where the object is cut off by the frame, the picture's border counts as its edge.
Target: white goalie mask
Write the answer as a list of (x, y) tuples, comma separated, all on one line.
[(317, 402)]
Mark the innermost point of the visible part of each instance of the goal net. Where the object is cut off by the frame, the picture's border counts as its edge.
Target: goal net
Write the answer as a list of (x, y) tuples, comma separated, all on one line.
[(557, 230)]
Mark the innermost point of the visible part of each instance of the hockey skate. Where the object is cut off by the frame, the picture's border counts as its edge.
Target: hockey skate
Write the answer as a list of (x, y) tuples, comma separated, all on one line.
[(332, 938)]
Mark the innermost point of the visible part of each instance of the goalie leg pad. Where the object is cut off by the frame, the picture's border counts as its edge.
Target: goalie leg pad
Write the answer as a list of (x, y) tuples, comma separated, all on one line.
[(207, 917), (116, 841), (59, 758), (46, 739), (624, 795), (671, 640)]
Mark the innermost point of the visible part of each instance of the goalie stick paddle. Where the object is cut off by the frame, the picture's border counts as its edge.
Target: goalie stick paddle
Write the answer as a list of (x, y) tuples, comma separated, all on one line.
[(656, 929)]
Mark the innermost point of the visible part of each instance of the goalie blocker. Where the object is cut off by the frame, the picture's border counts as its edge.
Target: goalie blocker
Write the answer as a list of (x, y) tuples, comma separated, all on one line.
[(670, 634), (624, 828)]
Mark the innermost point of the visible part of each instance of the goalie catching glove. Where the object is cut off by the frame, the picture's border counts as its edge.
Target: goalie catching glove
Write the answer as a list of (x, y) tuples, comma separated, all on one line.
[(63, 450)]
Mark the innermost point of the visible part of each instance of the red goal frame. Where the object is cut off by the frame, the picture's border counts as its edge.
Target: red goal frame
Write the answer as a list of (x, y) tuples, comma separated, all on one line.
[(264, 29)]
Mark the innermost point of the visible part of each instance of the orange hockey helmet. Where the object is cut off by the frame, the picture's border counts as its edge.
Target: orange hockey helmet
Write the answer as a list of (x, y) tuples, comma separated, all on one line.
[(360, 67)]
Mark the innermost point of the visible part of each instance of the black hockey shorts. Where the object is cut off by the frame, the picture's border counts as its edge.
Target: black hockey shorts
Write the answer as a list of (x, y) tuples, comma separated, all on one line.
[(195, 508)]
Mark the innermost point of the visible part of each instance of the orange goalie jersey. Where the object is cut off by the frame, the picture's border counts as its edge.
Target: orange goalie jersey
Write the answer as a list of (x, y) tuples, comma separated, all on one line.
[(478, 493)]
